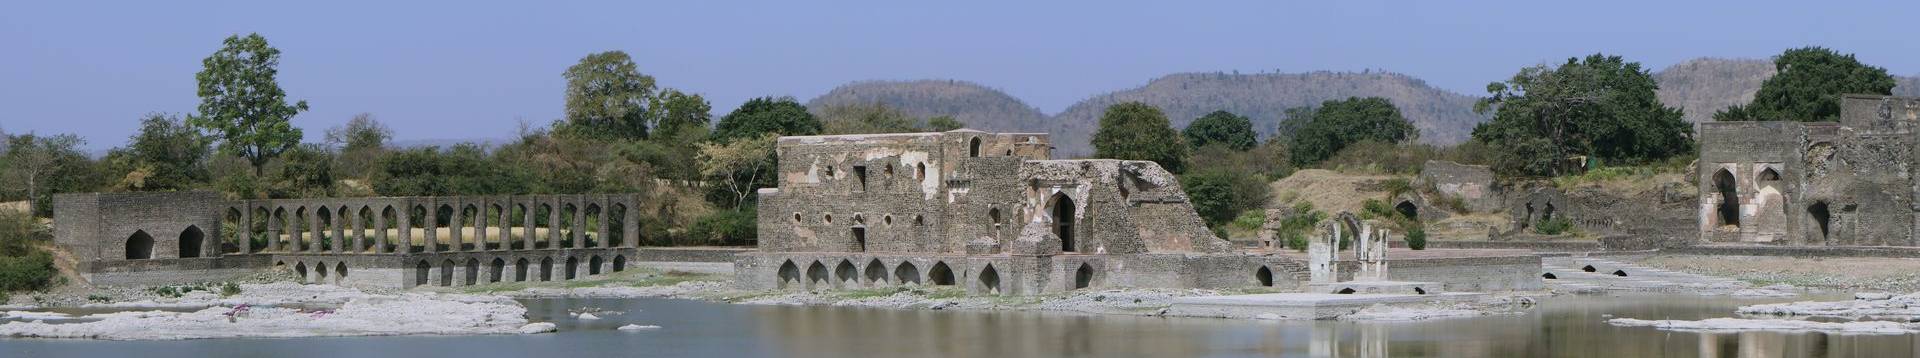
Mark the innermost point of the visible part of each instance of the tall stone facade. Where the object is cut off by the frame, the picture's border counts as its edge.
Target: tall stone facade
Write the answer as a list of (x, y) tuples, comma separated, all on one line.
[(1849, 183)]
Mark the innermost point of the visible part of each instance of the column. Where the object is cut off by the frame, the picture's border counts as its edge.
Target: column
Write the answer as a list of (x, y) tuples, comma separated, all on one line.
[(480, 225), (553, 223), (273, 230), (433, 225), (455, 236), (313, 231), (601, 228), (380, 243), (526, 228), (630, 226), (577, 230), (405, 216), (246, 228)]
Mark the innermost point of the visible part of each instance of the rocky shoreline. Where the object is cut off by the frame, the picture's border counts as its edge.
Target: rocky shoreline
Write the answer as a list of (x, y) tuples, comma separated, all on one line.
[(280, 310)]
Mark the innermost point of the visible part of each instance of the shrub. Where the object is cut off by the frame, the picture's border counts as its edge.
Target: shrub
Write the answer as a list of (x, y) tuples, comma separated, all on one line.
[(726, 227), (229, 289), (1554, 226), (25, 273), (1417, 238), (1251, 219), (1221, 194), (1294, 229)]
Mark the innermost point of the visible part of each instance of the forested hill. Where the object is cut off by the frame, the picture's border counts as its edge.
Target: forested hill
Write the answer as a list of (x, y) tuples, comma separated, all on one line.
[(978, 106), (1442, 116), (1705, 85)]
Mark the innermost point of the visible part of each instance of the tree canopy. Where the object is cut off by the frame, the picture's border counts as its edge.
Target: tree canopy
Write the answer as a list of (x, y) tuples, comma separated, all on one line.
[(1221, 127), (1137, 131), (608, 96), (242, 103), (760, 116), (1339, 123), (1807, 87), (1221, 194), (36, 167), (165, 155), (1545, 119)]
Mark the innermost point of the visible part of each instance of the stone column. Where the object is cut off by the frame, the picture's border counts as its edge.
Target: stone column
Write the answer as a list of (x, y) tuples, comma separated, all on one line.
[(630, 226), (456, 238), (273, 230), (553, 223), (382, 241), (405, 226), (579, 225), (433, 225), (313, 231), (246, 228), (526, 228)]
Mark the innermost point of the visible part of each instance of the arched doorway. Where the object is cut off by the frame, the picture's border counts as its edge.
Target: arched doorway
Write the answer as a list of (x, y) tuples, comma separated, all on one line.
[(1062, 208), (941, 274), (973, 147), (846, 274), (1822, 220), (546, 269), (473, 271), (876, 272), (907, 274), (139, 246), (619, 263), (446, 273), (593, 265), (573, 266), (520, 270), (1729, 207), (190, 241), (990, 280), (421, 272), (816, 275), (1407, 209), (301, 269), (788, 274), (1083, 277), (1265, 275), (497, 270), (339, 273)]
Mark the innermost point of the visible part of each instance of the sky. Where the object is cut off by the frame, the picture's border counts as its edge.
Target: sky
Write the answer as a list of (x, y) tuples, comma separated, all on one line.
[(478, 69)]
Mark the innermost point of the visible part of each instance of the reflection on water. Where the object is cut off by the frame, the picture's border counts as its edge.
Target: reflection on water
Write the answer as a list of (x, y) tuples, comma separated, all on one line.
[(1559, 327)]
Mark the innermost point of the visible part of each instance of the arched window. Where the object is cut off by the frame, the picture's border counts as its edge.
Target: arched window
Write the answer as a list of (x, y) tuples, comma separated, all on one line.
[(190, 241), (973, 147), (139, 246)]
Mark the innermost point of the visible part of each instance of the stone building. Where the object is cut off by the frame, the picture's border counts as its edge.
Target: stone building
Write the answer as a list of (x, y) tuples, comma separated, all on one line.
[(174, 237), (1849, 183), (988, 212)]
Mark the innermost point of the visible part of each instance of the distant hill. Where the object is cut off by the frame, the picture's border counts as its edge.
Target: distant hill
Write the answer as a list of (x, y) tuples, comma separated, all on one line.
[(976, 105), (1443, 117), (1703, 86)]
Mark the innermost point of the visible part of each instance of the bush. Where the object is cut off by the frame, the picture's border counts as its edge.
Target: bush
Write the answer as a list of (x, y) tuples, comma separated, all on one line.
[(1554, 226), (1417, 238), (229, 289), (1294, 229), (1219, 194), (726, 227), (26, 273), (1251, 219)]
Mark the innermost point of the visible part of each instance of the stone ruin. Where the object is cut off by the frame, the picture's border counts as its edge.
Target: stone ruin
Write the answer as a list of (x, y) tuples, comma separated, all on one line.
[(1370, 257)]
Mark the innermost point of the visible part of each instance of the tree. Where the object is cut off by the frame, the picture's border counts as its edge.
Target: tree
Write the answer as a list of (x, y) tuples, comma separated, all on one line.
[(1339, 123), (361, 141), (242, 103), (39, 166), (607, 96), (680, 111), (1221, 127), (944, 123), (306, 171), (166, 154), (866, 119), (1137, 131), (738, 168), (1221, 194), (764, 115), (1601, 108), (463, 169), (1807, 87)]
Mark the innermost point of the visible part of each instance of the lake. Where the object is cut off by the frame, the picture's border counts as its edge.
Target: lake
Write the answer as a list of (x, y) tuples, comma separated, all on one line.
[(1566, 326)]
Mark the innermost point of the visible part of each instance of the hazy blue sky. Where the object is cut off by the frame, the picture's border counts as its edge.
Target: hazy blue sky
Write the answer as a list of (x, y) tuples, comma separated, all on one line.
[(476, 68)]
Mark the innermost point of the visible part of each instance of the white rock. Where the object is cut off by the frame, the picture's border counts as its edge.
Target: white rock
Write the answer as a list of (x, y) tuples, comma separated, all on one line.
[(1269, 316), (1872, 296), (538, 327), (635, 327), (357, 314), (30, 315), (588, 316), (1738, 324)]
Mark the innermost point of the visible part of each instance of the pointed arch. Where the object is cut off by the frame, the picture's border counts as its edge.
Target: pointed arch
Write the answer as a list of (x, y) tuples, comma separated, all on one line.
[(1061, 207), (619, 263), (941, 274), (845, 274), (593, 265), (139, 246), (573, 267), (520, 270), (876, 272), (446, 272), (421, 272), (339, 273), (1083, 277), (788, 274), (301, 269), (906, 274), (1264, 276), (817, 275), (1729, 206), (190, 242), (990, 280), (546, 269), (497, 271), (973, 147)]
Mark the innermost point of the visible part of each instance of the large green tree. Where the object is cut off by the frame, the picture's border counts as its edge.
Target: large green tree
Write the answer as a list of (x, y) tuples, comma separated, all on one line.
[(1221, 127), (607, 96), (1339, 123), (764, 115), (361, 141), (1546, 119), (166, 154), (35, 167), (1221, 194), (678, 112), (1807, 87), (242, 103), (1137, 131)]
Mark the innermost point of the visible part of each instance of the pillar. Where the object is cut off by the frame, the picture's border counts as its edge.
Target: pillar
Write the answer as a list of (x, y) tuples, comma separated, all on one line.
[(405, 216), (630, 226), (601, 228), (273, 230), (526, 228), (246, 228), (553, 223), (433, 226), (578, 228), (380, 237), (313, 231), (456, 238)]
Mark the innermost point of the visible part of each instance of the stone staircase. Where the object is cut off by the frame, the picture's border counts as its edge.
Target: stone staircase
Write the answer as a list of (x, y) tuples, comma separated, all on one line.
[(1292, 268)]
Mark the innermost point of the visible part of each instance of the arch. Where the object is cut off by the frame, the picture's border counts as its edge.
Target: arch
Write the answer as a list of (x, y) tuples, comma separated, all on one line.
[(1767, 174), (1822, 219), (1062, 209), (941, 274), (569, 239), (543, 226), (876, 272), (322, 232), (616, 235), (233, 239), (994, 219), (389, 221), (139, 246), (497, 271), (1265, 276), (1345, 291), (190, 241), (1729, 206), (919, 220), (421, 272), (518, 216), (520, 270), (920, 172), (262, 224), (1588, 268), (590, 235), (1549, 276), (419, 218), (788, 274), (973, 147), (546, 269), (1407, 209), (906, 274), (320, 272), (593, 265), (446, 273), (619, 263), (1621, 273), (846, 274), (573, 267), (443, 218), (365, 240), (817, 275), (301, 269), (470, 217), (1769, 218), (1083, 276), (473, 271), (990, 280), (339, 272), (498, 218)]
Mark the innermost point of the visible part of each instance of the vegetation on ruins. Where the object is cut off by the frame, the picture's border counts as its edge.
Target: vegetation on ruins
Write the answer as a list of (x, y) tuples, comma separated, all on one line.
[(1220, 127), (1552, 120), (1137, 131), (242, 103), (1219, 195), (1338, 123), (1807, 87)]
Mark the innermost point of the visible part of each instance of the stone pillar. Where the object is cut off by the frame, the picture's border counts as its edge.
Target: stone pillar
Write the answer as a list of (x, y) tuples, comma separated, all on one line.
[(553, 223), (405, 226), (313, 231), (526, 227), (456, 238), (273, 230), (480, 225), (246, 228), (433, 225), (339, 229), (360, 236), (382, 241), (601, 228), (1320, 255), (577, 229), (630, 226)]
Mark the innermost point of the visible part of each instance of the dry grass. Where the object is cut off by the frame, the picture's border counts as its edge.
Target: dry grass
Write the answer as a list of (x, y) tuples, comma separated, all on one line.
[(1467, 227), (1329, 191), (1844, 273)]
